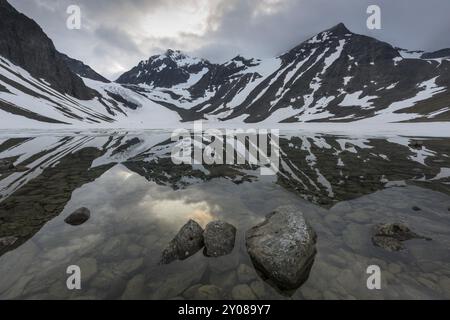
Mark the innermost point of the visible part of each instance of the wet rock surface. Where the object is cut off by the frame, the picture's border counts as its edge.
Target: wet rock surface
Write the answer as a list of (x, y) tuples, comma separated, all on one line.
[(219, 239), (186, 243), (391, 236), (78, 217), (283, 247)]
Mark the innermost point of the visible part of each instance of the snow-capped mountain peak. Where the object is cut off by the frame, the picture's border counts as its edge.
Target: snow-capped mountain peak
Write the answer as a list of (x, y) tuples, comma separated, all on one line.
[(164, 70), (179, 58), (340, 29), (241, 62), (336, 75)]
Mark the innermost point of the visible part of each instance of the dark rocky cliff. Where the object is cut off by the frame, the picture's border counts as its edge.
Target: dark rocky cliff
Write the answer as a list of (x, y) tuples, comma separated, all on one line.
[(25, 44)]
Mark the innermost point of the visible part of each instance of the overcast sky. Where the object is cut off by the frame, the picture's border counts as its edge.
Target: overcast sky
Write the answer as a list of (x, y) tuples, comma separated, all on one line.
[(117, 34)]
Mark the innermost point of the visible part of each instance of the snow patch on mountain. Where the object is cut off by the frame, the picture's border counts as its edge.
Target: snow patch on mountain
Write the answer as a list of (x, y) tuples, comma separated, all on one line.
[(355, 99), (428, 89)]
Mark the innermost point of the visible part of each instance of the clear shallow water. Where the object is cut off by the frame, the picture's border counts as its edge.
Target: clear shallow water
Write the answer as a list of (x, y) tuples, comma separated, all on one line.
[(135, 215)]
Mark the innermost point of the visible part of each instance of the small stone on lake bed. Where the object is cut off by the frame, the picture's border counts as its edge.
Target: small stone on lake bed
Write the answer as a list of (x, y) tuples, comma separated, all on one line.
[(415, 208), (78, 217), (391, 236)]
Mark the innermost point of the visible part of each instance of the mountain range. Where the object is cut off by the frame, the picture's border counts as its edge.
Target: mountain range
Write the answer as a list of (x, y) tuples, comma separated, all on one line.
[(335, 76)]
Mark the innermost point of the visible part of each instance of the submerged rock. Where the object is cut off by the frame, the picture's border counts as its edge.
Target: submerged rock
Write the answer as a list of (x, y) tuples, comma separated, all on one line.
[(78, 217), (135, 288), (242, 292), (186, 243), (246, 274), (282, 248), (208, 292), (219, 239), (88, 267), (391, 236)]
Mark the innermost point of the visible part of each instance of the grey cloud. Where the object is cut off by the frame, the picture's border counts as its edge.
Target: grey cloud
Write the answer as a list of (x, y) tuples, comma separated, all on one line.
[(112, 41), (118, 38), (410, 24)]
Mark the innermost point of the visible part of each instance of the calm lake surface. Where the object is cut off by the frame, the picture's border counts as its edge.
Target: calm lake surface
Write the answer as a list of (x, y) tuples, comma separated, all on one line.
[(139, 200)]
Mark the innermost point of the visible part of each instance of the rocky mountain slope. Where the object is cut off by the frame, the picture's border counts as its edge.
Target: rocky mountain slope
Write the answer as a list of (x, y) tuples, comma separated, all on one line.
[(336, 76), (83, 70), (41, 87), (24, 43), (165, 71)]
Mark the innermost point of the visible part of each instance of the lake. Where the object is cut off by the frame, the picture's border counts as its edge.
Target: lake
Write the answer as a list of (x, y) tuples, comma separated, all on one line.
[(344, 185)]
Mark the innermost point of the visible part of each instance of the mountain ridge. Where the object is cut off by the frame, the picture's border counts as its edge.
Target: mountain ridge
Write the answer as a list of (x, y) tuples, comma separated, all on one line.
[(23, 42), (334, 76), (350, 70)]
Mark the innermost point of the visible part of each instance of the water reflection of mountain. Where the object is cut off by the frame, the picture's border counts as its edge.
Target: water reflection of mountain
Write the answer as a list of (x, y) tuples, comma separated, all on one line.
[(322, 169)]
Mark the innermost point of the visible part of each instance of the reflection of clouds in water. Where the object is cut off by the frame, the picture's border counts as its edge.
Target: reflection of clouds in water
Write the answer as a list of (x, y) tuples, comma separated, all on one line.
[(138, 200), (124, 174), (161, 203), (178, 212), (126, 199), (74, 246)]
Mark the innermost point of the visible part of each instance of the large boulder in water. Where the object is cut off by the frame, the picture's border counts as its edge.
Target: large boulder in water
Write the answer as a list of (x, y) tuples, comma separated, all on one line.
[(186, 243), (282, 248), (219, 239)]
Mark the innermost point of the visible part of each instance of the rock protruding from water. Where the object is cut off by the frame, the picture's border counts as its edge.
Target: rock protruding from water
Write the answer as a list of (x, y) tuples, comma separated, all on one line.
[(392, 235), (219, 239), (282, 248), (186, 243), (78, 217)]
